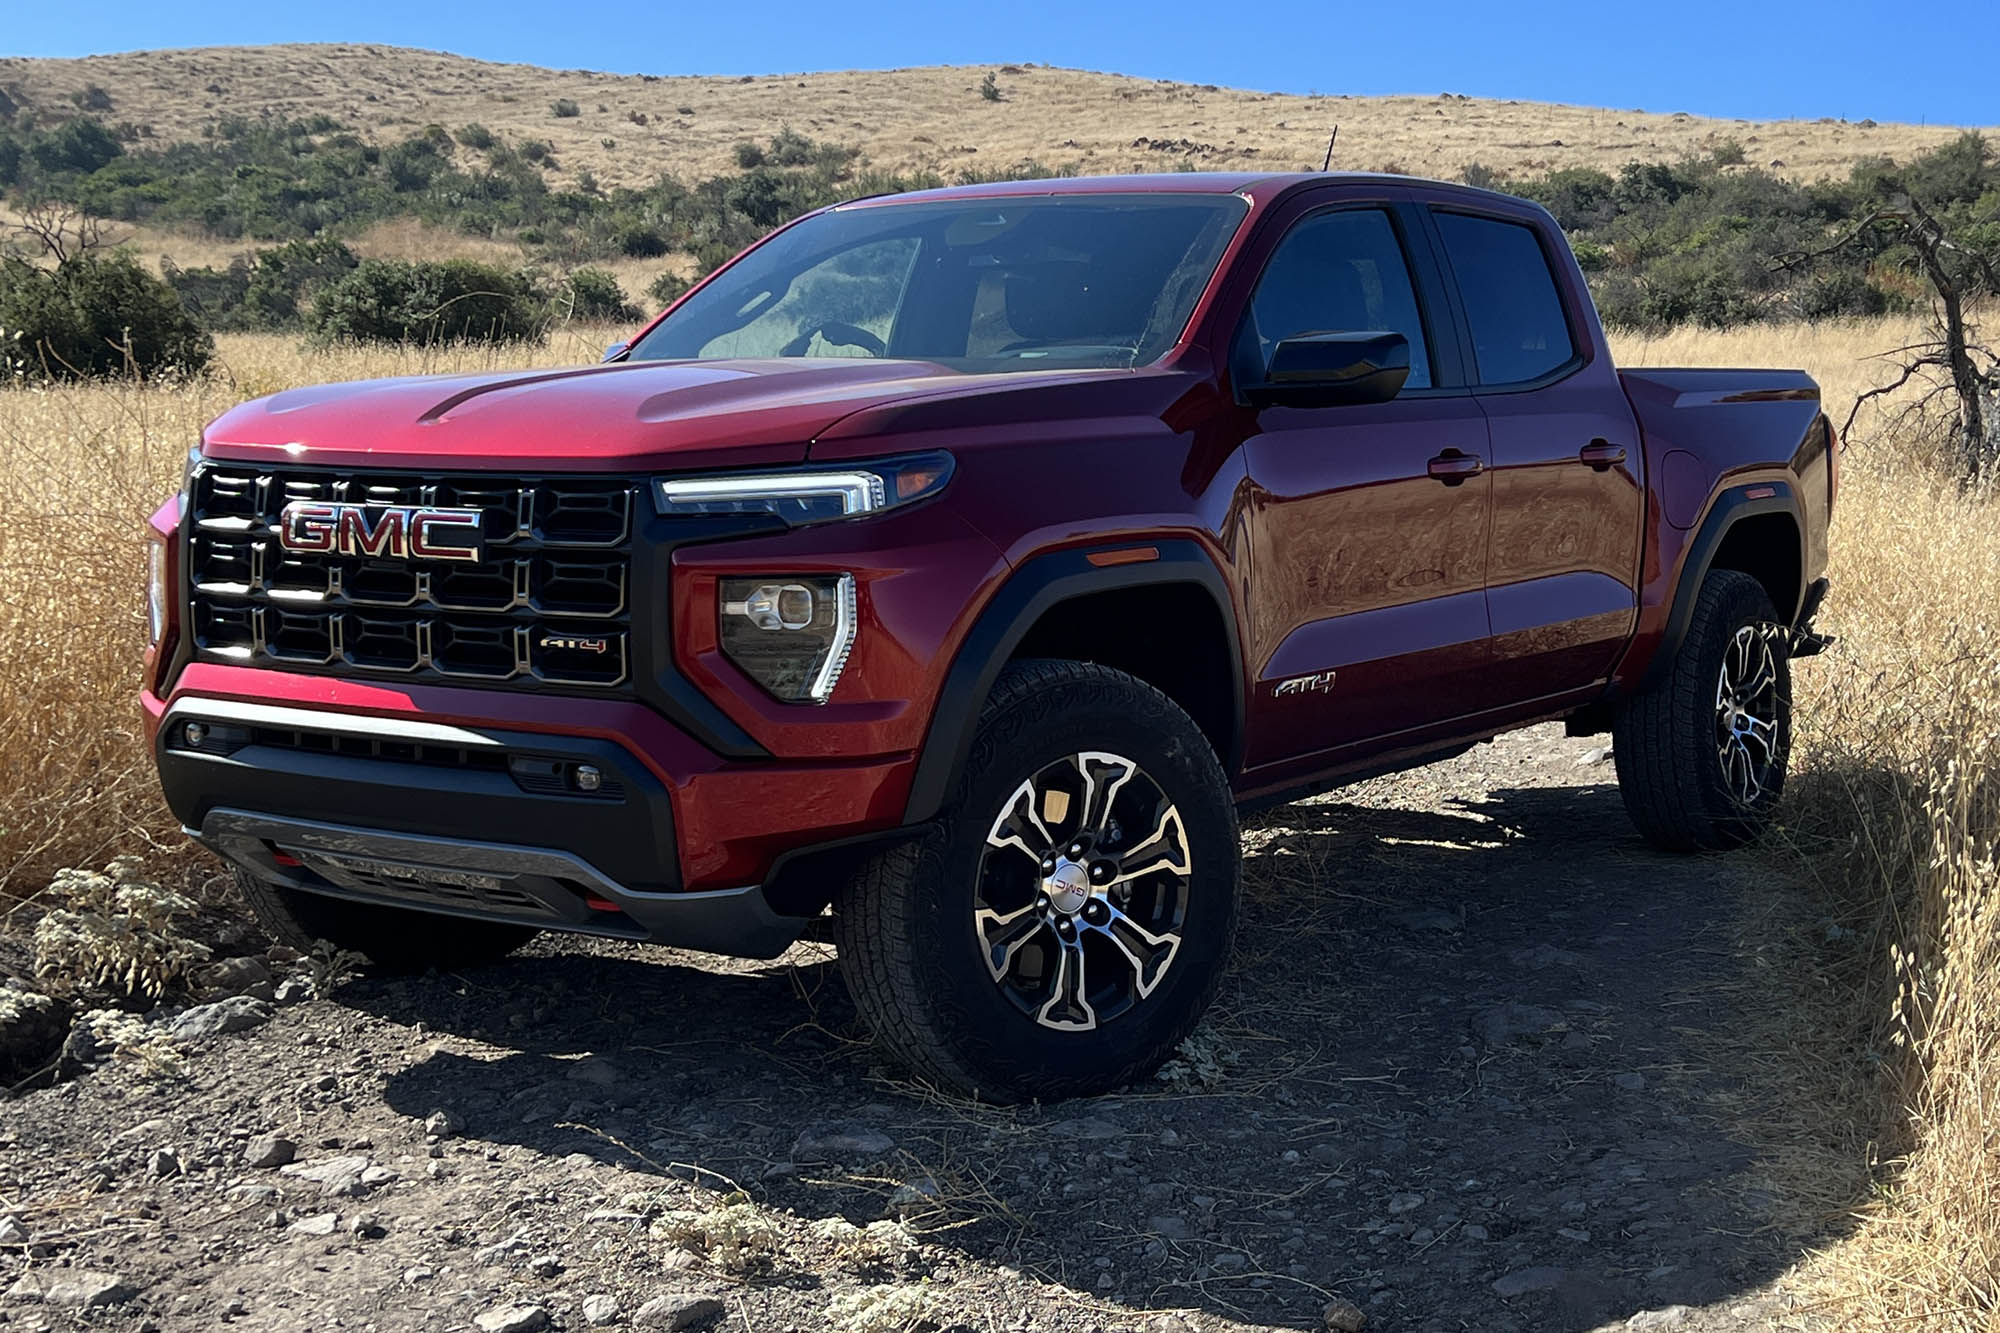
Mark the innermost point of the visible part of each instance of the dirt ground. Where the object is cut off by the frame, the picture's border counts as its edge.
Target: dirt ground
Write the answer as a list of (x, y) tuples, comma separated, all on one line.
[(1476, 1068)]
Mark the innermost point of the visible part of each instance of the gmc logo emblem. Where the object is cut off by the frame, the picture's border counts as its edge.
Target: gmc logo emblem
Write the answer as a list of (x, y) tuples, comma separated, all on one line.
[(381, 532)]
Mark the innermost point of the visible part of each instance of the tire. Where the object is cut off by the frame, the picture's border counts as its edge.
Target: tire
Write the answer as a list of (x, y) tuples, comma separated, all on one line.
[(957, 946), (393, 939), (1700, 773)]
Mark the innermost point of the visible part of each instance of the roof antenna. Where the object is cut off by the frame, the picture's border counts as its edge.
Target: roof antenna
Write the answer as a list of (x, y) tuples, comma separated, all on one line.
[(1329, 149)]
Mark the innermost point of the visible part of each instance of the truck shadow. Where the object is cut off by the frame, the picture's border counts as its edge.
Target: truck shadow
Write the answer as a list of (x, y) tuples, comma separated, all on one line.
[(1473, 1067)]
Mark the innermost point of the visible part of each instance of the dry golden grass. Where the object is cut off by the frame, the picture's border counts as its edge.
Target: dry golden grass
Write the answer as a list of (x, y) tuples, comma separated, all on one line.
[(928, 117), (85, 465), (1884, 1019), (1886, 1035)]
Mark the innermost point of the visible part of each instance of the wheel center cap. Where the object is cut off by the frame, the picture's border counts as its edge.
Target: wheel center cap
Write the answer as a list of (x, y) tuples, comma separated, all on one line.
[(1069, 888)]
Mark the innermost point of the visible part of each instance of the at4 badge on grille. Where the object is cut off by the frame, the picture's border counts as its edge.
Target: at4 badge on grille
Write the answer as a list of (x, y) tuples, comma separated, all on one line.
[(382, 532)]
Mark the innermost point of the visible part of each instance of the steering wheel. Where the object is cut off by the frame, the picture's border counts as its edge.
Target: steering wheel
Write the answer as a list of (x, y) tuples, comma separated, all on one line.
[(840, 334)]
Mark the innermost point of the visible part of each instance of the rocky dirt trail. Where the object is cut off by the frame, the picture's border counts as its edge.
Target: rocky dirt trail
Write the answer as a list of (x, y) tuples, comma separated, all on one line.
[(1472, 1071)]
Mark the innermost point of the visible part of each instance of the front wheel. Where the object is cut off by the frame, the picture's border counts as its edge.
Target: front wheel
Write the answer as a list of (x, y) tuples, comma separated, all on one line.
[(1065, 924), (1702, 754)]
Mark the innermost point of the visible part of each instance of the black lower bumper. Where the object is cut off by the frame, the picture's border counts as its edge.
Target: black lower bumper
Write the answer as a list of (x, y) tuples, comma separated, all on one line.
[(563, 833)]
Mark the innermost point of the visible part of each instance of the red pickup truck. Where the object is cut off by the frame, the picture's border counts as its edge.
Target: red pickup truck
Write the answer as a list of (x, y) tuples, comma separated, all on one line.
[(946, 572)]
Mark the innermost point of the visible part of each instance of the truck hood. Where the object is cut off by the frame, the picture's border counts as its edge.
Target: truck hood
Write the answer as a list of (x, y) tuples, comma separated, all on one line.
[(676, 415)]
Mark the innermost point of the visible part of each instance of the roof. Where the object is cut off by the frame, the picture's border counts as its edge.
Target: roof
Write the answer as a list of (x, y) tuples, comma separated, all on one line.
[(1265, 184)]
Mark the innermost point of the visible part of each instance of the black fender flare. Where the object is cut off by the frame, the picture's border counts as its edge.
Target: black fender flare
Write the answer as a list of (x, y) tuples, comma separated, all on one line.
[(1043, 582), (1729, 508)]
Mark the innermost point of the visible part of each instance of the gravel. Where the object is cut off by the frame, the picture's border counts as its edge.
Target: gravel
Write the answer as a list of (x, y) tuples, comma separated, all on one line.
[(1411, 1116)]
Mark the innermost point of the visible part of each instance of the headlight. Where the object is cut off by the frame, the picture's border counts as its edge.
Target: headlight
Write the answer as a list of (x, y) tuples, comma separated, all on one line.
[(790, 635), (808, 495), (157, 594)]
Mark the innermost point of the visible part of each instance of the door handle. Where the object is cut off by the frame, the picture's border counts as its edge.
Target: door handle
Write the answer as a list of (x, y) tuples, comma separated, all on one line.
[(1452, 467), (1601, 455)]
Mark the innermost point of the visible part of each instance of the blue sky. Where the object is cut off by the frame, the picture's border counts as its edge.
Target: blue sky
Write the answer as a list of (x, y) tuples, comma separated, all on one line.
[(1938, 63)]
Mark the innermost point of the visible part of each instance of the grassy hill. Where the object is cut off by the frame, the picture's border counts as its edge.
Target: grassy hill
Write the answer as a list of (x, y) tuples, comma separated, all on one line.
[(628, 129)]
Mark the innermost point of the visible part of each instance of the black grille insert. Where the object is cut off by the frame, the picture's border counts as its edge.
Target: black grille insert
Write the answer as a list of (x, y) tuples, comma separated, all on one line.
[(546, 606)]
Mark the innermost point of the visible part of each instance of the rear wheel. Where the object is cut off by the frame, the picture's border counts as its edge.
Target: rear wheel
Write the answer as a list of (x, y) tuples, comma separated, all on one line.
[(1702, 755), (394, 939), (1067, 921)]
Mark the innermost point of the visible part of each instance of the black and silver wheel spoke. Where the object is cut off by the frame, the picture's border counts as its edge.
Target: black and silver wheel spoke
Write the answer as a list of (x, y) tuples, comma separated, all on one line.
[(1747, 712), (1083, 890), (1001, 935), (1149, 954), (1068, 1005), (1020, 824)]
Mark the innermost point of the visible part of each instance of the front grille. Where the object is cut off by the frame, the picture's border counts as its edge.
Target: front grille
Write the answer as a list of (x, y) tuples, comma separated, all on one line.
[(546, 606)]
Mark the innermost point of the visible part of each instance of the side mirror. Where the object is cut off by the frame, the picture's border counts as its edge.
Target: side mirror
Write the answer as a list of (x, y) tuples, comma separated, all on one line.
[(1330, 369), (616, 350)]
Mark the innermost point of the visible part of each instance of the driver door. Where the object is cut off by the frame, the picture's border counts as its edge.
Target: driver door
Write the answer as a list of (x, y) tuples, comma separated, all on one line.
[(1368, 527)]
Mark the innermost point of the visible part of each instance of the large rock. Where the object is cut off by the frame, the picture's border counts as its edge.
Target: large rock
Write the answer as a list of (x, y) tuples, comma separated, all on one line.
[(238, 1013), (841, 1141), (677, 1311), (267, 1150), (334, 1175), (32, 1028), (513, 1319), (232, 976), (1343, 1316), (71, 1288)]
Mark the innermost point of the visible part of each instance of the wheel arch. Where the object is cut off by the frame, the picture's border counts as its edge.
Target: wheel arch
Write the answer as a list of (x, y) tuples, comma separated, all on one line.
[(1753, 529), (1065, 604)]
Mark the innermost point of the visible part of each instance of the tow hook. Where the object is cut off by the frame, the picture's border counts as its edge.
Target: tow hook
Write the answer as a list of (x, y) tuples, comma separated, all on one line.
[(1807, 641)]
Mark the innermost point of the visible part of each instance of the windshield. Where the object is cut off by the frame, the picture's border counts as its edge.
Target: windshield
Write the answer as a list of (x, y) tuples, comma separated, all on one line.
[(980, 285)]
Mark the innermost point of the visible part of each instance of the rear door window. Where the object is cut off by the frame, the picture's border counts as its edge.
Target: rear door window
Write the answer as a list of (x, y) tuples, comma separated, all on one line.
[(1520, 331)]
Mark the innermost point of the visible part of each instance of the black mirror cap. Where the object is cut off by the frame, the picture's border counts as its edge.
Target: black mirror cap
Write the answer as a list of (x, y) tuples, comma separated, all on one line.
[(616, 350), (1329, 369)]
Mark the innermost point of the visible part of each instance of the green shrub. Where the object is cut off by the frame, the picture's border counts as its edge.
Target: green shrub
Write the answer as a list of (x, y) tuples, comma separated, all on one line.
[(96, 314), (76, 147), (564, 109), (667, 289), (476, 137), (749, 155), (453, 300), (989, 87), (642, 243), (594, 296)]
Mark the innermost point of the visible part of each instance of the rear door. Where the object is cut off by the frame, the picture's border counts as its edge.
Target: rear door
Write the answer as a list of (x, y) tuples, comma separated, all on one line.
[(1568, 498), (1367, 527)]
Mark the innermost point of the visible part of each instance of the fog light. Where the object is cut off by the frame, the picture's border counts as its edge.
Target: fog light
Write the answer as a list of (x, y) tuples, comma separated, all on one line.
[(588, 777), (775, 606), (194, 733), (793, 636)]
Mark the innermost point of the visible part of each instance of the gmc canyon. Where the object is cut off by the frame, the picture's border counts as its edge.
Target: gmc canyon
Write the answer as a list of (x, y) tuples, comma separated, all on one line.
[(944, 574)]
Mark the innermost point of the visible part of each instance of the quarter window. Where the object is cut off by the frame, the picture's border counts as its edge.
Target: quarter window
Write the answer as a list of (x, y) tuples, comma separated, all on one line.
[(1519, 329), (1339, 272)]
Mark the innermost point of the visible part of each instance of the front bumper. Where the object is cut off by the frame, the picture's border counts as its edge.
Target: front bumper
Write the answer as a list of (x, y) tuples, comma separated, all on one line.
[(417, 802), (492, 881)]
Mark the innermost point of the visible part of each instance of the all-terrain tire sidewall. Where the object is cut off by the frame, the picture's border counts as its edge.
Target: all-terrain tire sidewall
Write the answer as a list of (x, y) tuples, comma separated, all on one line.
[(1664, 744), (967, 1033)]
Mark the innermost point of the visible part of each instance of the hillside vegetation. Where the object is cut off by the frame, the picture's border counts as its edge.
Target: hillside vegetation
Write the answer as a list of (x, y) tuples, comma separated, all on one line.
[(627, 129)]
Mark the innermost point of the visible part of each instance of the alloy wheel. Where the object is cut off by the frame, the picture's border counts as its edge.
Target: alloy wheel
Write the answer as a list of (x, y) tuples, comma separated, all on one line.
[(1747, 713), (1083, 891)]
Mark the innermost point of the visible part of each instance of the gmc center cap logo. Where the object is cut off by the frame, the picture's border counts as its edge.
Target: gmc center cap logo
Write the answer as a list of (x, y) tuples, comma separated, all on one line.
[(382, 532)]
